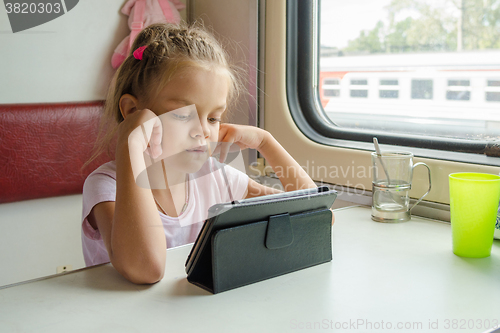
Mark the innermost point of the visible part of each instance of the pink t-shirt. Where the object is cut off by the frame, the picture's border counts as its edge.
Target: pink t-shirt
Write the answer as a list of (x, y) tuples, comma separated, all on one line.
[(206, 188)]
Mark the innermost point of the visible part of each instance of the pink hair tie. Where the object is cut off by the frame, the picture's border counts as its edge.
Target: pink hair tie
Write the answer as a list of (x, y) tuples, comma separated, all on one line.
[(138, 53)]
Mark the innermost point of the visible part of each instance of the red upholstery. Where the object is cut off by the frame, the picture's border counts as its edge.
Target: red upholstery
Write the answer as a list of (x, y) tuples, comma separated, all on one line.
[(43, 147)]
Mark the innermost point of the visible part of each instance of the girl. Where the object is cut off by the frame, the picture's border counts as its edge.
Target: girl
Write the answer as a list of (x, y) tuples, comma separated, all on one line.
[(168, 98)]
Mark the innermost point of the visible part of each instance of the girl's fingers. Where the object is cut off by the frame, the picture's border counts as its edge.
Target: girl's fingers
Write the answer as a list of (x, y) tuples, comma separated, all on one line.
[(224, 150), (230, 140), (215, 148), (155, 140), (224, 143), (221, 150), (151, 136)]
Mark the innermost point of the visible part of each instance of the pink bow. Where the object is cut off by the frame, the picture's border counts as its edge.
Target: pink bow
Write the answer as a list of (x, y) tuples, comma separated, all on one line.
[(138, 53)]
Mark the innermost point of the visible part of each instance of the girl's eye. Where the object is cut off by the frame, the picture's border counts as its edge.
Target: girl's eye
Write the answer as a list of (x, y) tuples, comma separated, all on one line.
[(180, 116), (214, 120)]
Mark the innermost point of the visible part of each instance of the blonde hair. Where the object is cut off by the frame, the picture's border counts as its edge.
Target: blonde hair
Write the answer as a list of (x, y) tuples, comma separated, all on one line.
[(169, 49)]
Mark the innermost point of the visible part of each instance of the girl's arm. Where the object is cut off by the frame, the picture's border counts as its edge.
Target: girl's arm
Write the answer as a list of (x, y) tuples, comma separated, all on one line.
[(131, 227), (290, 173)]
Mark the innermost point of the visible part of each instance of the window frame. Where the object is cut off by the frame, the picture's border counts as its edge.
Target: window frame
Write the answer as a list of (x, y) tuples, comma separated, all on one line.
[(302, 71)]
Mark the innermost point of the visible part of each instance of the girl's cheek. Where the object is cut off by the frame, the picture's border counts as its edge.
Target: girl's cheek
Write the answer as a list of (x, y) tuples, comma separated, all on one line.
[(175, 127), (215, 135)]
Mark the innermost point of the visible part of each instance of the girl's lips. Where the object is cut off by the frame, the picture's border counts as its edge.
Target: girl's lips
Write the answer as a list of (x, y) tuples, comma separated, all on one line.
[(199, 149)]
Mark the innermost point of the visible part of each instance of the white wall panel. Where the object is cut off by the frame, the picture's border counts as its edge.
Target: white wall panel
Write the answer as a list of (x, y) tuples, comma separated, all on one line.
[(65, 60)]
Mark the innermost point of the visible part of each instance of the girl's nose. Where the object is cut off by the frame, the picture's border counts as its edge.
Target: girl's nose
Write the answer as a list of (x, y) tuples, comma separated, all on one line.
[(201, 130)]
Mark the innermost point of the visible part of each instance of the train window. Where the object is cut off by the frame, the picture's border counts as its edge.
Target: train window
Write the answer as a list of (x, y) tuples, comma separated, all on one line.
[(331, 88), (359, 82), (388, 82), (459, 83), (388, 93), (334, 82), (389, 88), (493, 96), (458, 95), (458, 90), (422, 89), (355, 90), (359, 93), (331, 92), (419, 73), (493, 91)]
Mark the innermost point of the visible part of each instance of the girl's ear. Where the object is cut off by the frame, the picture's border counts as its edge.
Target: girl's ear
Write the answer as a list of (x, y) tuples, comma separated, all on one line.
[(128, 104)]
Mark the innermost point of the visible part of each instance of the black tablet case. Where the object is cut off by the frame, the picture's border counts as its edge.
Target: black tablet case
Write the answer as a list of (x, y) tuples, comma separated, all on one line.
[(255, 241)]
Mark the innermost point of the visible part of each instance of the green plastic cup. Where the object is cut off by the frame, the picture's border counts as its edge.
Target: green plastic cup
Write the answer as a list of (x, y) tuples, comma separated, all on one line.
[(474, 201)]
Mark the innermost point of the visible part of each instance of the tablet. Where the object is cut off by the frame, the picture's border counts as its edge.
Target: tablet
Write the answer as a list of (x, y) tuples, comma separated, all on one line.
[(226, 215)]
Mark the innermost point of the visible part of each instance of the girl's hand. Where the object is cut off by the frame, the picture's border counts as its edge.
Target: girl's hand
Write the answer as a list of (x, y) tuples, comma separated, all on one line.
[(241, 135), (143, 130)]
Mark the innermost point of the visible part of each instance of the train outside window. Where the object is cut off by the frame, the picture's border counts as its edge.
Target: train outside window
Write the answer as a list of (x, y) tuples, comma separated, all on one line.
[(458, 90), (422, 89), (493, 91), (419, 67), (356, 92), (389, 88), (331, 88)]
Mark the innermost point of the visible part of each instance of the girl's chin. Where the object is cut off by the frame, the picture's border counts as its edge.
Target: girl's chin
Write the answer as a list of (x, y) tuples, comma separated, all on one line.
[(184, 162), (192, 163)]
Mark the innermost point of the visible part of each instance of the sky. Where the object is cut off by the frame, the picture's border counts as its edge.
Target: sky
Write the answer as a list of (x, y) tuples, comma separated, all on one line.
[(343, 20)]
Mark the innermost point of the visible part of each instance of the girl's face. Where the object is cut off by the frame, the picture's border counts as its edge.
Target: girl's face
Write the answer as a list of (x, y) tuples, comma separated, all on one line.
[(190, 108)]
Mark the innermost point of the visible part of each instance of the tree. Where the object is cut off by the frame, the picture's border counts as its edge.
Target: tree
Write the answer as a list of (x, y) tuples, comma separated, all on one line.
[(368, 41), (433, 25), (396, 40), (428, 27), (480, 23)]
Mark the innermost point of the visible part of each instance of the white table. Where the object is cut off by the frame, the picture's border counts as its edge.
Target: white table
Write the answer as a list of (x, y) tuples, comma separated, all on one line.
[(403, 275)]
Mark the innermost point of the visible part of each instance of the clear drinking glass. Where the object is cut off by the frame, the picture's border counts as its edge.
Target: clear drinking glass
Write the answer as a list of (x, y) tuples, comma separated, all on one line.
[(392, 178)]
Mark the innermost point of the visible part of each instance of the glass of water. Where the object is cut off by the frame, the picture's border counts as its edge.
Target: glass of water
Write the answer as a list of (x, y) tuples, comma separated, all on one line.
[(392, 178)]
